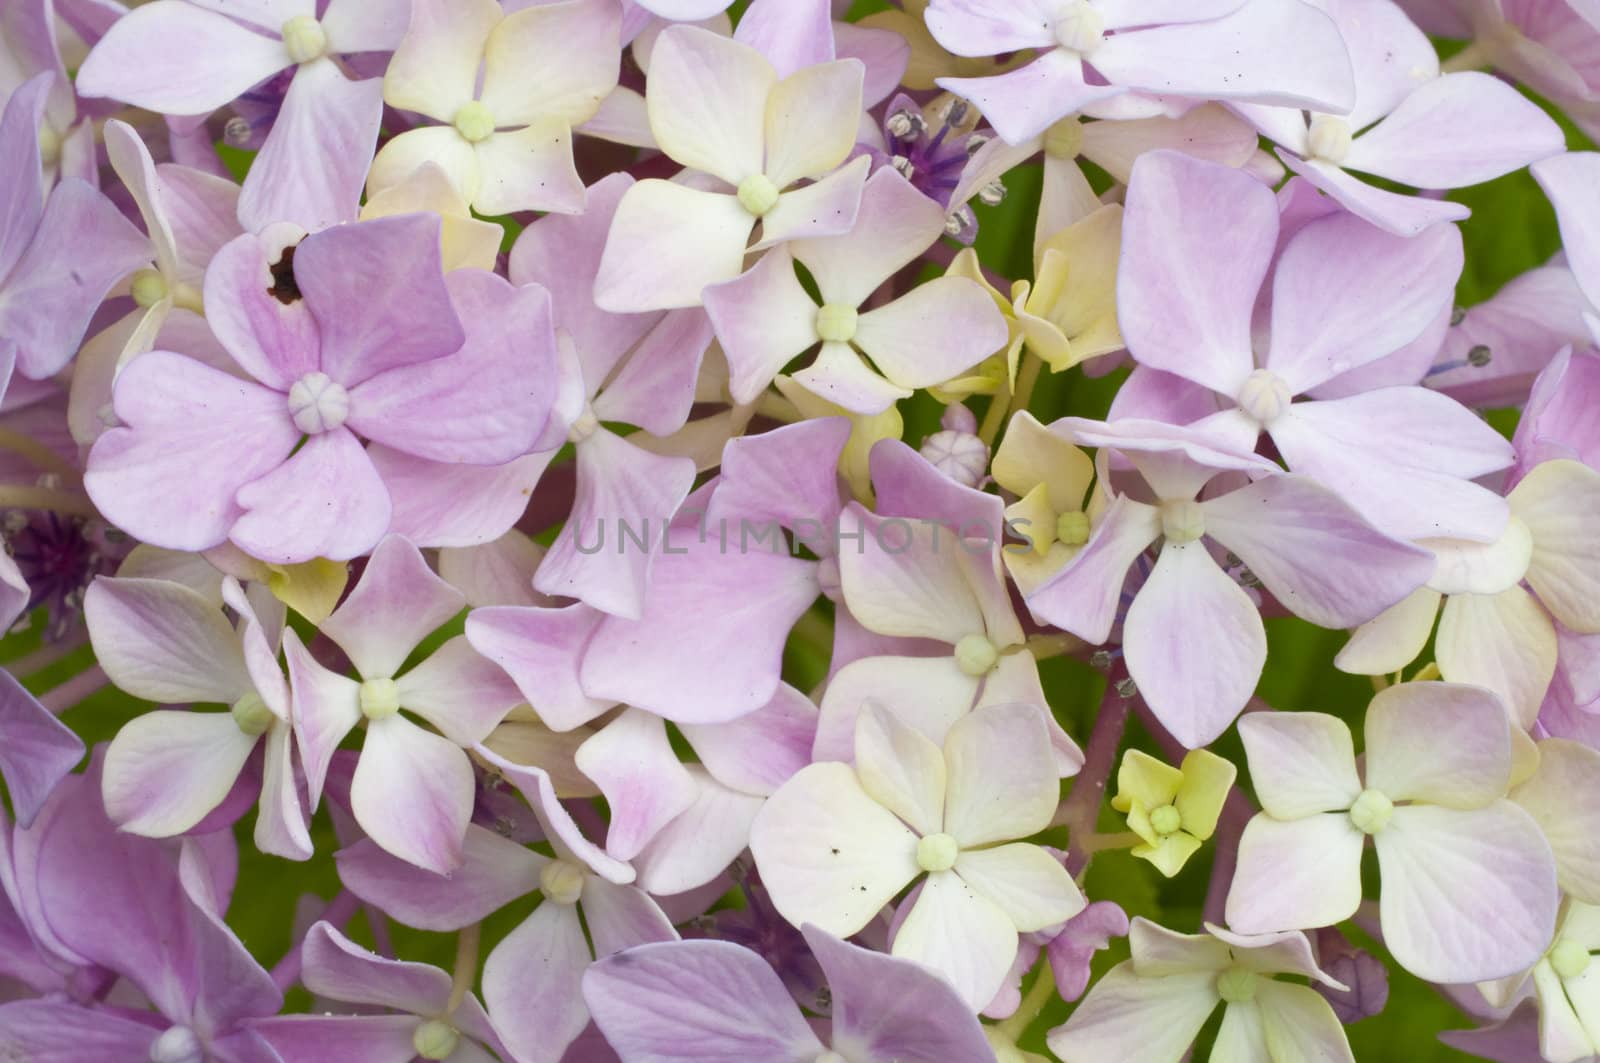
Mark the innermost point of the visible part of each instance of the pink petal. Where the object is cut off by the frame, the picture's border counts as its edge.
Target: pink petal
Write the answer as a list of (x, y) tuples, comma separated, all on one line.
[(338, 968), (927, 693), (461, 693), (1083, 597), (164, 642), (980, 27), (38, 750), (325, 501), (1316, 555), (632, 762), (699, 844), (494, 872), (1345, 294), (720, 997), (1423, 141), (397, 603), (1467, 896), (162, 476), (1021, 104), (667, 243), (825, 207), (21, 195), (274, 342), (1438, 743), (178, 59), (763, 319), (450, 505), (314, 163), (483, 405), (326, 707), (412, 793), (955, 931), (1195, 644), (1400, 214), (1301, 763), (1128, 1017), (541, 650), (1296, 874), (1569, 181), (532, 980), (1197, 240), (758, 752)]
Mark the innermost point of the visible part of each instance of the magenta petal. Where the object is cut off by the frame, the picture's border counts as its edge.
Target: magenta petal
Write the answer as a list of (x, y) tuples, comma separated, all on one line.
[(342, 1038), (889, 1008), (1083, 597), (719, 997), (758, 752), (325, 501), (378, 292), (494, 872), (338, 968), (52, 1031), (49, 297), (314, 163), (485, 404), (622, 491), (163, 476), (632, 761), (36, 750)]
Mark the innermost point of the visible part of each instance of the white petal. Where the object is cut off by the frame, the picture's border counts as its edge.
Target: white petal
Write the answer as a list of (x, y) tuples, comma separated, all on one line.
[(955, 931), (1563, 797), (811, 120), (1558, 501), (1296, 875), (1505, 642), (900, 769), (1299, 1024), (1392, 639), (166, 770), (1002, 775), (1025, 881), (164, 642), (1440, 743), (707, 99), (1137, 1020)]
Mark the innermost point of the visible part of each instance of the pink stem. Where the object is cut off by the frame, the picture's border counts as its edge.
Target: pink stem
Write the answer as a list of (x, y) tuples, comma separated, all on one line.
[(1082, 807), (59, 699)]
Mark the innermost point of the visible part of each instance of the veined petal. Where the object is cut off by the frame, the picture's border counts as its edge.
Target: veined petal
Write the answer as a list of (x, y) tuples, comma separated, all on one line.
[(1026, 882), (1301, 763), (1556, 501), (1299, 1023), (338, 968), (494, 872), (1504, 642), (1083, 597), (325, 501), (412, 793), (1195, 644), (667, 243), (435, 69), (656, 1000), (1296, 874), (397, 603), (532, 982), (763, 319), (164, 642), (961, 934), (1137, 1020), (707, 99), (1561, 798), (326, 707), (1438, 743), (175, 58), (1423, 142), (1467, 896), (552, 62), (633, 763), (541, 649), (900, 769), (932, 333), (1392, 639), (1196, 242), (1002, 775), (281, 827), (463, 694), (811, 120), (529, 168), (828, 853), (1317, 556), (166, 770)]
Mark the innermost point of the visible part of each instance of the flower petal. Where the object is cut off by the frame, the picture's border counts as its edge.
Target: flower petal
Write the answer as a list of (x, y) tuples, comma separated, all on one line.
[(338, 968), (396, 604), (554, 62), (707, 100), (165, 771), (1504, 642), (1467, 896), (164, 642), (1296, 874), (1026, 882), (900, 769), (1555, 501), (460, 692), (667, 243), (1438, 743), (957, 932), (1562, 800), (325, 501), (1301, 763), (1002, 775), (1299, 1023), (1195, 644), (811, 120), (828, 853), (1137, 1020), (435, 69), (532, 983), (412, 793), (1084, 597), (632, 761)]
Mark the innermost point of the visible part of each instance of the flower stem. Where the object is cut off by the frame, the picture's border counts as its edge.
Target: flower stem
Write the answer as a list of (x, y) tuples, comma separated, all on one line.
[(1472, 57), (59, 699), (46, 655), (43, 458), (65, 503), (465, 972), (1081, 810)]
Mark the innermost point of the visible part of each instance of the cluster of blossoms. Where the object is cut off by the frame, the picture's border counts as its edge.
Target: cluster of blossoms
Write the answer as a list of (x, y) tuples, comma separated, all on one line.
[(596, 507)]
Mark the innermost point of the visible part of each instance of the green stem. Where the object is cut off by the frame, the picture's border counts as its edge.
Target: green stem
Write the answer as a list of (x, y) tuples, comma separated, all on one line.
[(62, 502), (465, 972), (1032, 1006)]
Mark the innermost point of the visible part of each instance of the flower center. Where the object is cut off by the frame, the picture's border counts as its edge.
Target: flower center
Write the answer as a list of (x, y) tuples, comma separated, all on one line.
[(757, 194), (585, 426), (937, 852), (318, 404), (177, 1045), (304, 38), (252, 714), (435, 1039), (1182, 521), (561, 881), (380, 699), (1237, 985), (1329, 138), (1072, 529), (1371, 812), (976, 655), (1064, 140), (1264, 396), (1568, 958), (1165, 820), (836, 323), (149, 288), (474, 122), (1080, 29)]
